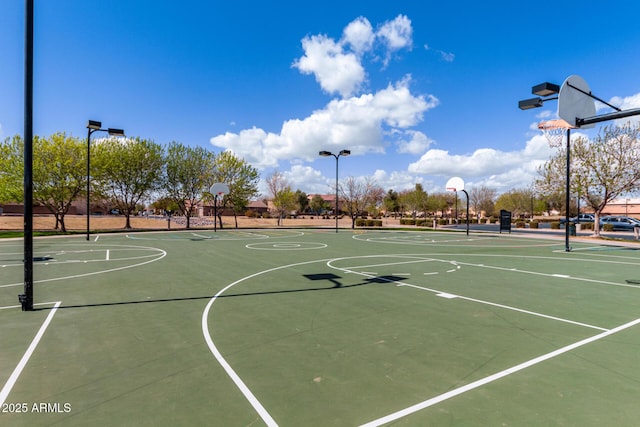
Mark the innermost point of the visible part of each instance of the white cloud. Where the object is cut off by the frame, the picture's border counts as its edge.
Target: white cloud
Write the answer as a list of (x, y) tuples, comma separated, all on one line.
[(358, 122), (359, 35), (445, 56), (335, 70), (337, 66), (399, 180), (498, 169), (309, 179), (396, 34), (417, 143), (627, 103)]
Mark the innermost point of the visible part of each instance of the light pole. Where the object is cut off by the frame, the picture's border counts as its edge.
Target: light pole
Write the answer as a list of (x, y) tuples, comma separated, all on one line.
[(95, 126), (343, 153), (26, 299)]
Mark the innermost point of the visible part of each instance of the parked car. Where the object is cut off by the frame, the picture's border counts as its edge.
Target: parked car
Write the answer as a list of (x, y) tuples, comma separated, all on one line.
[(579, 218), (620, 223)]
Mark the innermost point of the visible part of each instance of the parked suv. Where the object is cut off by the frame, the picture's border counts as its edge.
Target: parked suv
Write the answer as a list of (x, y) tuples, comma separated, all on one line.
[(580, 218), (623, 223)]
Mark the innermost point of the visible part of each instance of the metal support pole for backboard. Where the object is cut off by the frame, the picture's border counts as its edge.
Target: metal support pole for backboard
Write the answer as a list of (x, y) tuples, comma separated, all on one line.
[(567, 227), (215, 213), (26, 299), (467, 194)]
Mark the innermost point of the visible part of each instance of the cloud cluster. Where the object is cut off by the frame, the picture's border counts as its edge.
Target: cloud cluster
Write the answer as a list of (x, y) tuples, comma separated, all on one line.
[(374, 121), (337, 65), (366, 122), (494, 168), (359, 122)]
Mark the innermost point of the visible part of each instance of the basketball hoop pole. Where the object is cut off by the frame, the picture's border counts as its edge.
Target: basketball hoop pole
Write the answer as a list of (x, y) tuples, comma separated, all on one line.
[(450, 187), (567, 248), (467, 194)]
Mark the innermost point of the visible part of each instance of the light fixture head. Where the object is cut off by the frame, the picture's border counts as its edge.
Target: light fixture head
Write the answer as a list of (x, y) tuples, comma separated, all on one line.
[(528, 104), (95, 125), (545, 89), (345, 152), (115, 132), (325, 153)]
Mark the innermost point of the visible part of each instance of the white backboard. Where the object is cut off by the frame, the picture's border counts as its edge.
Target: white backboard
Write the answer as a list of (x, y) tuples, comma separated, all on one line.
[(219, 189), (455, 184), (574, 104)]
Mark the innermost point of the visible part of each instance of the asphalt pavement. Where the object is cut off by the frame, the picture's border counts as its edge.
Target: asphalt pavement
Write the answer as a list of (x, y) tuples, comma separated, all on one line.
[(543, 230)]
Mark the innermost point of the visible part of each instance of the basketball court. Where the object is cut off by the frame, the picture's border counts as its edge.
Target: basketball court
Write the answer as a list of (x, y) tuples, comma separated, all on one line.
[(309, 327)]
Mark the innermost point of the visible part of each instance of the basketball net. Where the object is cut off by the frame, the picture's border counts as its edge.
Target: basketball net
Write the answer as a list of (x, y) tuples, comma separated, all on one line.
[(554, 131)]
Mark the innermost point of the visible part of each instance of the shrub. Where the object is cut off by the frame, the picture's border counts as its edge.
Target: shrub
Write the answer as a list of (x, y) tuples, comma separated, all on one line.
[(520, 224), (251, 214), (533, 224), (555, 225), (360, 222), (586, 225), (607, 227)]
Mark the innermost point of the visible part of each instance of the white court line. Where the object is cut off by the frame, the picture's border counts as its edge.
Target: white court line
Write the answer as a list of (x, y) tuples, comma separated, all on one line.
[(507, 307), (4, 393), (107, 256), (441, 398)]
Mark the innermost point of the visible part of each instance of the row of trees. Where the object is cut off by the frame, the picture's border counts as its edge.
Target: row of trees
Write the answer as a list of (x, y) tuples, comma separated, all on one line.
[(124, 173)]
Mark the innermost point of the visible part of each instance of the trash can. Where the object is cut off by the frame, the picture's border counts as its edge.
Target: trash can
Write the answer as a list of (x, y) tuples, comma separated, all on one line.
[(572, 229)]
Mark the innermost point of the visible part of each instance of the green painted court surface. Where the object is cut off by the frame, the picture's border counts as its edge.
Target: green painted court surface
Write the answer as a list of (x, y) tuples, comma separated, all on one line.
[(314, 328)]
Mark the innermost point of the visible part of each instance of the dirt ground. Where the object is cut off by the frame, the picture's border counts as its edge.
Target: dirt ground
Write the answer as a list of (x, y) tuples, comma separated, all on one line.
[(79, 222)]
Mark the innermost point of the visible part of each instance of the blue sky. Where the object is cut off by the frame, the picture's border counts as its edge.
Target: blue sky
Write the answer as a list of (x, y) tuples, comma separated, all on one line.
[(419, 91)]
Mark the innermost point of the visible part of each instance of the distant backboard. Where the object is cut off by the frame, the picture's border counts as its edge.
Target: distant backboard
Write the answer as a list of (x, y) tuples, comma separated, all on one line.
[(219, 189), (455, 184), (573, 104)]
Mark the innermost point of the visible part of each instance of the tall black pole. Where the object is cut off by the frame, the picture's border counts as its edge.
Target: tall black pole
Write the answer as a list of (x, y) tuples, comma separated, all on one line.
[(26, 299), (466, 194), (336, 212), (567, 248), (89, 131)]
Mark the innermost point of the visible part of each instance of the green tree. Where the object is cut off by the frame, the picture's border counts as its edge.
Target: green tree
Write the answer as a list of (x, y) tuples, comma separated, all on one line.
[(165, 204), (441, 202), (303, 201), (242, 180), (318, 204), (59, 173), (187, 174), (126, 171), (518, 201), (391, 202), (416, 200), (11, 170)]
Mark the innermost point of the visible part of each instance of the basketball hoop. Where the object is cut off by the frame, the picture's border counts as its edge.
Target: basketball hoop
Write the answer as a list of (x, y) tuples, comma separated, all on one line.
[(554, 131)]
